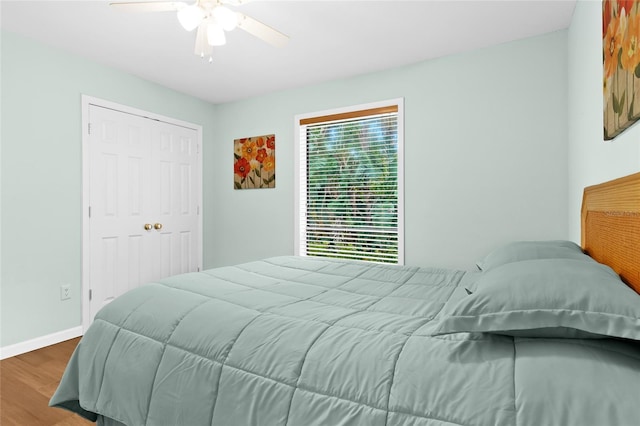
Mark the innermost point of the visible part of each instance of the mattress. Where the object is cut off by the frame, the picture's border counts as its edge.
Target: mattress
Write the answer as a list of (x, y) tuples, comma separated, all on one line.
[(308, 341)]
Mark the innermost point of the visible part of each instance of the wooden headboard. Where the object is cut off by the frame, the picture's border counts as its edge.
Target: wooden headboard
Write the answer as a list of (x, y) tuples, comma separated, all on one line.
[(611, 226)]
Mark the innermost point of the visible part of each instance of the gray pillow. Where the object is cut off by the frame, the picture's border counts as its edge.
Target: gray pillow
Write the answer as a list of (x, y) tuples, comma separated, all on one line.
[(530, 250), (560, 298)]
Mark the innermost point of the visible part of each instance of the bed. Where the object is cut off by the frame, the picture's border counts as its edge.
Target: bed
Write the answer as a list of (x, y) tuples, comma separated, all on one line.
[(545, 333)]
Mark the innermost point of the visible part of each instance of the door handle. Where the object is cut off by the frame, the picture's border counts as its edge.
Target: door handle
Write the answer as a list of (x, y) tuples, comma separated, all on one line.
[(147, 227), (158, 226)]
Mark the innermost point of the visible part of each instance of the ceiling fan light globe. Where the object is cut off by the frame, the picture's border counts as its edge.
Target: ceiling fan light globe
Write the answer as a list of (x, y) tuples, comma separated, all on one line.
[(202, 47), (215, 35), (225, 17), (190, 17)]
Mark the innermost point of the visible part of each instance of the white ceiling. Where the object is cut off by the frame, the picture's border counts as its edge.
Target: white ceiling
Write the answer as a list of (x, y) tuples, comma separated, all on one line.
[(329, 39)]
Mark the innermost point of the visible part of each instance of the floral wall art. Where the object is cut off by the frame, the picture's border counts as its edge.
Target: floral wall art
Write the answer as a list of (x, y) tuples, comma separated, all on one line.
[(254, 162), (621, 65)]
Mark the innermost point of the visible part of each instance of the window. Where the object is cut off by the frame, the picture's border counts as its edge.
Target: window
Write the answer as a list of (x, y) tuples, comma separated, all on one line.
[(349, 184)]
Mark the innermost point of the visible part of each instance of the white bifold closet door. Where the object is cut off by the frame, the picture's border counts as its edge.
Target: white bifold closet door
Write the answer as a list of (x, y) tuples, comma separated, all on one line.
[(143, 202)]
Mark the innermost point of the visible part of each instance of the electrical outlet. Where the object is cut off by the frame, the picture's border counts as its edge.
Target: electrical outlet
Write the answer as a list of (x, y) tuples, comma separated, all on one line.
[(65, 292)]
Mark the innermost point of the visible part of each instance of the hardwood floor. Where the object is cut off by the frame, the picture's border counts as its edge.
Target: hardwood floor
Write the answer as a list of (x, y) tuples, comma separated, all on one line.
[(27, 382)]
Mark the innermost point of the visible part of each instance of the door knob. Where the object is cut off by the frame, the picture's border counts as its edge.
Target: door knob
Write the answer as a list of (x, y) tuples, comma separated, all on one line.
[(147, 226), (158, 226)]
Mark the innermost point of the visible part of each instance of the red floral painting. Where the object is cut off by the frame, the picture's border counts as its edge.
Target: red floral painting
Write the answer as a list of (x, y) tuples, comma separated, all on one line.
[(621, 65), (254, 162)]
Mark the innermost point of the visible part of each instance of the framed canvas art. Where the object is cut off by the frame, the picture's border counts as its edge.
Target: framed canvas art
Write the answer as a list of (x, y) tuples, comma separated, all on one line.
[(621, 65), (254, 162)]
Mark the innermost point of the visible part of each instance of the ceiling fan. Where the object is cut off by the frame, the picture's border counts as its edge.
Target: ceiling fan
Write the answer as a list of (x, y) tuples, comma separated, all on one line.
[(212, 18)]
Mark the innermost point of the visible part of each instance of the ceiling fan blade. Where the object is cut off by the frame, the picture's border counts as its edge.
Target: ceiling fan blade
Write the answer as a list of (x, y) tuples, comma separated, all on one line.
[(262, 31), (236, 2), (149, 6)]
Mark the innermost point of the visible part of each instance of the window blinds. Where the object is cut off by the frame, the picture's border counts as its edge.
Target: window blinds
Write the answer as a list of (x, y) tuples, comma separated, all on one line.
[(349, 186)]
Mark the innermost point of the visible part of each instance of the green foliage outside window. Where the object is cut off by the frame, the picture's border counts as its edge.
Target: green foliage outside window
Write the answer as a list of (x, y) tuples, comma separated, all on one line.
[(352, 189)]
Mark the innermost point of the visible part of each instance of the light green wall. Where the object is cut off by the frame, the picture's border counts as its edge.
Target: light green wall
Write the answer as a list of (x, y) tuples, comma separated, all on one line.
[(41, 175), (485, 152), (591, 159), (485, 149)]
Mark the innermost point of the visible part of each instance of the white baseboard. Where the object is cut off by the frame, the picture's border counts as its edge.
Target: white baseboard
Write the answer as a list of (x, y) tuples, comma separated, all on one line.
[(39, 342)]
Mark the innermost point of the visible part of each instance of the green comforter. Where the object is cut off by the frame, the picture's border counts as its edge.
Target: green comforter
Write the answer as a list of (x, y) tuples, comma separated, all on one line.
[(302, 341)]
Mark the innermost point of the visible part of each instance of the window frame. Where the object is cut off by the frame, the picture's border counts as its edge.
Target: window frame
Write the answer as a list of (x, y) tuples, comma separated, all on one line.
[(300, 153)]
